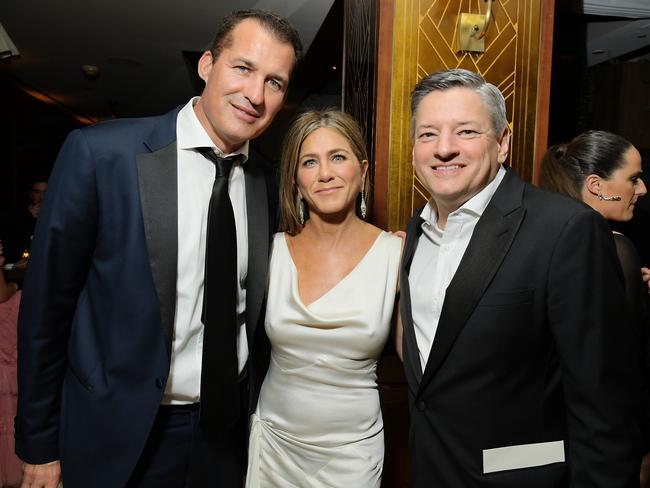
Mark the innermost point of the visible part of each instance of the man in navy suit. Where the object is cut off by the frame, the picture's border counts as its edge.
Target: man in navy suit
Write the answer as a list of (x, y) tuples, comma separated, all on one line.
[(110, 329), (517, 348)]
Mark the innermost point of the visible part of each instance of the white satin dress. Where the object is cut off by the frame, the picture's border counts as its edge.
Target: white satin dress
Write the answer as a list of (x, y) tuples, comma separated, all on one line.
[(318, 422)]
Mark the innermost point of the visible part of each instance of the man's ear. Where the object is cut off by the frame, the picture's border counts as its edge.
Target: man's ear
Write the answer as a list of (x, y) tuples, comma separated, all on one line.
[(504, 145), (205, 66)]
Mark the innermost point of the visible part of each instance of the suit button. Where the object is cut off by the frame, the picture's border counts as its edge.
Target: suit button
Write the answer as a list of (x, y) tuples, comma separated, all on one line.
[(421, 406), (159, 383)]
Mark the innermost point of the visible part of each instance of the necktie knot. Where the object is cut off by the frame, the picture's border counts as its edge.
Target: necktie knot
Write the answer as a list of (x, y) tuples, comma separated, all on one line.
[(223, 165)]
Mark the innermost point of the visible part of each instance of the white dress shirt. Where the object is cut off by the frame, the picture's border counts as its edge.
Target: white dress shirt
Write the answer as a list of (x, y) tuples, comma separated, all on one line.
[(436, 259), (195, 179)]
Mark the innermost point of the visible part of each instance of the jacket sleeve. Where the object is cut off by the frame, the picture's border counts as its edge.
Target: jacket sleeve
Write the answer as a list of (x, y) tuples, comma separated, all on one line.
[(61, 254), (594, 337)]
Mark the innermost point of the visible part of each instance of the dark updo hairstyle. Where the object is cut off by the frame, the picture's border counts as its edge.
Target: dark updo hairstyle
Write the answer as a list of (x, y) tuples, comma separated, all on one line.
[(566, 166)]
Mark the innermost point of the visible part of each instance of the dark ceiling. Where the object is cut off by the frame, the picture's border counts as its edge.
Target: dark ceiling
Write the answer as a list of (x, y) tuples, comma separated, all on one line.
[(145, 50)]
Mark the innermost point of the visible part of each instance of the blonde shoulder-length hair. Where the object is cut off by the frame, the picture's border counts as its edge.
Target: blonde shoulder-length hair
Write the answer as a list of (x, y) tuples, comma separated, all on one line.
[(300, 129)]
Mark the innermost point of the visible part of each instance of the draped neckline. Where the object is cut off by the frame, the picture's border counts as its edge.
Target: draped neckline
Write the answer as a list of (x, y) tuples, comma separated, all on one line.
[(338, 283)]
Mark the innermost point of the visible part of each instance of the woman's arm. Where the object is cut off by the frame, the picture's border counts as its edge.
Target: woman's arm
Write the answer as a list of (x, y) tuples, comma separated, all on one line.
[(398, 329)]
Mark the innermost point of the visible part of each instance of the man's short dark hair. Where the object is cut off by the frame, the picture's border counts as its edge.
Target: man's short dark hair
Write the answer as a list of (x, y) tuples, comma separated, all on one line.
[(275, 24)]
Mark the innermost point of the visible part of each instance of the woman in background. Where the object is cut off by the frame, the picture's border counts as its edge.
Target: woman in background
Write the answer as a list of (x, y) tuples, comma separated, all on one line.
[(10, 465), (332, 287), (604, 171)]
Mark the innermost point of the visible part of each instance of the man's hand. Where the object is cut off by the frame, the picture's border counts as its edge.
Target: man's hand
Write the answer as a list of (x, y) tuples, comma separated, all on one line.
[(41, 475)]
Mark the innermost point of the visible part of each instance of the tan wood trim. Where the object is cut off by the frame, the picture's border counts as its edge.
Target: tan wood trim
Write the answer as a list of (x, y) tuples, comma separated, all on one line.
[(382, 127), (547, 17), (404, 76)]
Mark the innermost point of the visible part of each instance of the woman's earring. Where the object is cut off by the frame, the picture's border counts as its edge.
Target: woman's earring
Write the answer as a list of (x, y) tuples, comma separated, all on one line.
[(362, 206), (301, 212), (613, 198)]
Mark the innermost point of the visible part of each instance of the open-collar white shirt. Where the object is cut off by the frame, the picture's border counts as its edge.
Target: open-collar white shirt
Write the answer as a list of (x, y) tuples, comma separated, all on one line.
[(436, 259), (195, 179)]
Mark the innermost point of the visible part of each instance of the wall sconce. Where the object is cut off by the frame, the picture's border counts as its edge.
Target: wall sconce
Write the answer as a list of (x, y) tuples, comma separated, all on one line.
[(472, 29), (7, 47)]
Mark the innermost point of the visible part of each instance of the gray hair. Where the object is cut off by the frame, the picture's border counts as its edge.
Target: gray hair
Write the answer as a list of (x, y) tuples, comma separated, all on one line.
[(462, 78)]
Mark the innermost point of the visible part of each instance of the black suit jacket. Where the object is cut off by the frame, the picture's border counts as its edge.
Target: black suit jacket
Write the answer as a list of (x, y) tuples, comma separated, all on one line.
[(532, 353), (97, 313)]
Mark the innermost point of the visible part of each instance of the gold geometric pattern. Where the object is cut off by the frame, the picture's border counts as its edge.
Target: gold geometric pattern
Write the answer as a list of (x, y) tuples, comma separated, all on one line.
[(424, 41)]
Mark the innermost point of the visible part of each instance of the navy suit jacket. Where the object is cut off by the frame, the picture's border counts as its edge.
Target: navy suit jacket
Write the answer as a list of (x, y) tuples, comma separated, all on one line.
[(97, 312), (533, 346)]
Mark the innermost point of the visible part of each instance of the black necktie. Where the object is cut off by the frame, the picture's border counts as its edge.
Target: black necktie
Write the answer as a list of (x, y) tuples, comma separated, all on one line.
[(220, 402)]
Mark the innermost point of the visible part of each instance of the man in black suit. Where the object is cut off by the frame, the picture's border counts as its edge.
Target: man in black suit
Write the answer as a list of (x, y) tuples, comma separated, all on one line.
[(517, 351), (111, 331)]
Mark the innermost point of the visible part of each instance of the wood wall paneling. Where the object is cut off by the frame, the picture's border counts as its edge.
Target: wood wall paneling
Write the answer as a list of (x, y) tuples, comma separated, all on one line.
[(382, 122)]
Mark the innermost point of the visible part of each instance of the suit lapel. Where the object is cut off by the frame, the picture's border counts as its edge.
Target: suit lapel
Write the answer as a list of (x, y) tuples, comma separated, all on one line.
[(490, 242), (258, 242), (158, 184), (412, 356)]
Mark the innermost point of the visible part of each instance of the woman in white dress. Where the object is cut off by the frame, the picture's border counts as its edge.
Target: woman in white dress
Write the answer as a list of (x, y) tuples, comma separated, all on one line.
[(332, 289)]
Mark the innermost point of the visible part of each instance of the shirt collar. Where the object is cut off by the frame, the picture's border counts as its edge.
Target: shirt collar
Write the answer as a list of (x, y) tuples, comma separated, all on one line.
[(474, 206), (190, 134)]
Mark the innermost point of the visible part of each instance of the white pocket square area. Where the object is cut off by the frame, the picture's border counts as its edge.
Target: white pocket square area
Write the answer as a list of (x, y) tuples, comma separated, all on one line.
[(522, 456)]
